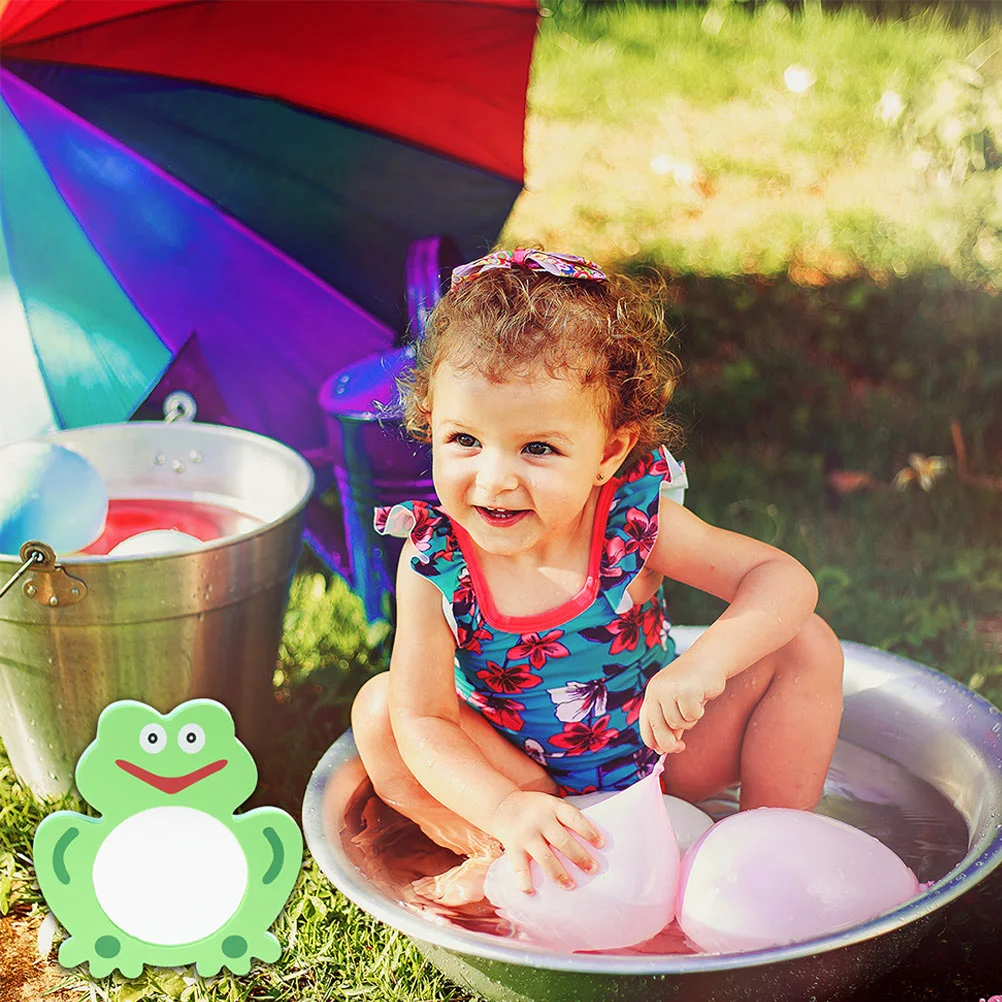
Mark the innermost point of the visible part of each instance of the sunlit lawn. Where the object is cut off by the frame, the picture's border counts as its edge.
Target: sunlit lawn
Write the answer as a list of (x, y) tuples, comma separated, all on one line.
[(673, 136)]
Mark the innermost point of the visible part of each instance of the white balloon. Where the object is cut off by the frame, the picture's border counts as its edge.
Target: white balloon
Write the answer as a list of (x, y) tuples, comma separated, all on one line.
[(155, 541), (771, 876), (49, 493), (629, 900), (687, 820)]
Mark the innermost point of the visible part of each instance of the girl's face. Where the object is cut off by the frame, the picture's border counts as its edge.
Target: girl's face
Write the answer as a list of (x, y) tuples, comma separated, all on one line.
[(516, 463)]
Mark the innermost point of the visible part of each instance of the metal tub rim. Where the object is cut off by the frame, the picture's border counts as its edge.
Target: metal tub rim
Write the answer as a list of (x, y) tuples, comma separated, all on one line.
[(984, 855)]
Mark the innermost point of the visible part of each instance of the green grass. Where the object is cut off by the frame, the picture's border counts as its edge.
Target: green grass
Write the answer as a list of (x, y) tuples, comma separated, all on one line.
[(669, 136), (621, 59), (912, 572)]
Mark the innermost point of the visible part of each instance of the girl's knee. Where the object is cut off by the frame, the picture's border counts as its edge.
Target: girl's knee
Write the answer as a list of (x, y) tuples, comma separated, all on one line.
[(812, 665), (370, 711), (822, 648)]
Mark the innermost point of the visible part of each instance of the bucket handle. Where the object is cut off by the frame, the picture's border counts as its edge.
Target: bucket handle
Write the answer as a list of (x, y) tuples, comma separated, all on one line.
[(180, 406), (30, 555), (53, 586)]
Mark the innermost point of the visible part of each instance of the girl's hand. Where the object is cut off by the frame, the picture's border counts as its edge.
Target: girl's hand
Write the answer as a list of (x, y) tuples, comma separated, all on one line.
[(674, 700), (531, 825)]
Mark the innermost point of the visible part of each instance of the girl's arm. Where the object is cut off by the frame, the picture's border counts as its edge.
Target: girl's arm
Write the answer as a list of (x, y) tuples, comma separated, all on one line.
[(424, 714), (770, 596)]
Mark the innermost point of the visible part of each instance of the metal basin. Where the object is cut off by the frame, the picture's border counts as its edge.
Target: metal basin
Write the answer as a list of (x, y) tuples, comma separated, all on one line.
[(910, 738), (158, 628)]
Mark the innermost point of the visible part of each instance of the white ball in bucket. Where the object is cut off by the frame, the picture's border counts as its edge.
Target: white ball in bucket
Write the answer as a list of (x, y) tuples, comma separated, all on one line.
[(628, 901), (771, 876), (49, 493), (155, 542)]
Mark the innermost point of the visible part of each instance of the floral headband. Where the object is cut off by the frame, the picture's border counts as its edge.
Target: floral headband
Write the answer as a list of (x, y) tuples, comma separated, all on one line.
[(562, 265)]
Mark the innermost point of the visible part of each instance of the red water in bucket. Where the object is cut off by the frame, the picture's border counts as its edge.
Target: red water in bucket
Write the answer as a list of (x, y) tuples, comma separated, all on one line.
[(130, 516)]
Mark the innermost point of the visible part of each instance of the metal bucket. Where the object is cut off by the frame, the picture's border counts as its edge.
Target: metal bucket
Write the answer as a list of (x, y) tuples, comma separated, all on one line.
[(900, 719), (158, 628)]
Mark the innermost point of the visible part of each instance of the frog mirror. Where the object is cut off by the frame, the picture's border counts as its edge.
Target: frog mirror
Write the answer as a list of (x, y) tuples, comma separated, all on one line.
[(168, 874)]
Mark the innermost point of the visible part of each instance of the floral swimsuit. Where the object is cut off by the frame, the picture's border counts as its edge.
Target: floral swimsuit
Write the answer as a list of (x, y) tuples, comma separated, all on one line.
[(565, 686)]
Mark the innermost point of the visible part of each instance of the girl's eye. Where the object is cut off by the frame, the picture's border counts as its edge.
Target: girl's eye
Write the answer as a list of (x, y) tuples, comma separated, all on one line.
[(464, 440), (538, 449)]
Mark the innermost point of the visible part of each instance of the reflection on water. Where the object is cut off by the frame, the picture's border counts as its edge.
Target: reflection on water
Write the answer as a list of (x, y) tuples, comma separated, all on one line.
[(902, 811), (863, 789), (393, 852)]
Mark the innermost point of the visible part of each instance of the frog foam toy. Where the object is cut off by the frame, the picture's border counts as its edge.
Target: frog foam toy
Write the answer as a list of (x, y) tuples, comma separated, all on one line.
[(168, 875)]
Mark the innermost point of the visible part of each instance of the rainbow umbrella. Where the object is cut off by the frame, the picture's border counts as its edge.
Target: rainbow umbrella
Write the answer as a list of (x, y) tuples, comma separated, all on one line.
[(224, 194)]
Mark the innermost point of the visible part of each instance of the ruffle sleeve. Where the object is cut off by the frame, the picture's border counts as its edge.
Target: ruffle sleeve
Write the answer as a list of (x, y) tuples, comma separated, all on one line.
[(632, 525), (438, 558)]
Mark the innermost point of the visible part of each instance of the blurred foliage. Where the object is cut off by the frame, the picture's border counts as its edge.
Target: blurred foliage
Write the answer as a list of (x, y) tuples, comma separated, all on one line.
[(859, 372), (956, 12), (755, 142), (326, 631), (957, 121)]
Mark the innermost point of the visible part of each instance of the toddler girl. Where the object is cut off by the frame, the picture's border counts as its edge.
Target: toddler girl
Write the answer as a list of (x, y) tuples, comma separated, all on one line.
[(532, 656)]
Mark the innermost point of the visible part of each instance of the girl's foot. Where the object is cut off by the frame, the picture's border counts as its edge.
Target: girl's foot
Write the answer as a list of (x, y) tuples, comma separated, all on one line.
[(461, 885)]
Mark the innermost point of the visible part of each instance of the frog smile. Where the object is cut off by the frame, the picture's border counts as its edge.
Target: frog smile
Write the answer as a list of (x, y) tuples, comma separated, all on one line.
[(170, 784)]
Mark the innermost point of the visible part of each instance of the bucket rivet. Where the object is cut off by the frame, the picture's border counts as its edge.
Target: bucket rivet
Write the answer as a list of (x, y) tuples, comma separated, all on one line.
[(53, 600), (74, 591), (159, 459), (195, 456), (177, 466), (30, 591)]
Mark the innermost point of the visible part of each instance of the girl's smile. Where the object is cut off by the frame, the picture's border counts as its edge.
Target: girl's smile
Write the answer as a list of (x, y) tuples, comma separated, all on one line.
[(501, 516)]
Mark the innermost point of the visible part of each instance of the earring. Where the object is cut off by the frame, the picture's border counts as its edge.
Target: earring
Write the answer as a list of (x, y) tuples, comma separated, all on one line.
[(600, 477)]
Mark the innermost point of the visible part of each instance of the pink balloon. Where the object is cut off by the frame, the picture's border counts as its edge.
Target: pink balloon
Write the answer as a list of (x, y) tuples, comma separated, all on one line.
[(629, 900), (771, 876)]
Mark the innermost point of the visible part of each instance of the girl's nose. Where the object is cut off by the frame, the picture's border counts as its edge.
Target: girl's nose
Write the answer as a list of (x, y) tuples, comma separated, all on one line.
[(495, 474)]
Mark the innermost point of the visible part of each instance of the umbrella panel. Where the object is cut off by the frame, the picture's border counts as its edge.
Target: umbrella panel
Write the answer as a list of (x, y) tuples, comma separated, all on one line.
[(96, 353), (344, 202), (268, 330)]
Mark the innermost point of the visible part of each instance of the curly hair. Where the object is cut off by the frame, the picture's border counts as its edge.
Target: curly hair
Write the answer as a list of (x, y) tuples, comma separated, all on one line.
[(610, 334)]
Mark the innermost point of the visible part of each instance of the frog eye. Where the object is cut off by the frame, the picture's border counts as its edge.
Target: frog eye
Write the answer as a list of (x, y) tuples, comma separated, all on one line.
[(153, 739), (191, 738)]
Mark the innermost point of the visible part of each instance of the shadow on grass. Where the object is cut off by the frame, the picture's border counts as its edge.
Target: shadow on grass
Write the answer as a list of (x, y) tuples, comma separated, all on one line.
[(304, 722), (860, 371)]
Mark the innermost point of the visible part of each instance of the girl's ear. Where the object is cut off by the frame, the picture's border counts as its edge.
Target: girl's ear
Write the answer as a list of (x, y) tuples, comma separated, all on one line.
[(618, 446)]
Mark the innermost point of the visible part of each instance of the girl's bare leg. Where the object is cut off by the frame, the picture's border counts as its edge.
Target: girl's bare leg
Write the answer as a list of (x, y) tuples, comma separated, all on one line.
[(397, 786), (773, 728)]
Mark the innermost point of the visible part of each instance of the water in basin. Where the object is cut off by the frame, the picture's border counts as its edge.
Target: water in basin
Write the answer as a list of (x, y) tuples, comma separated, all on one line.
[(863, 789)]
